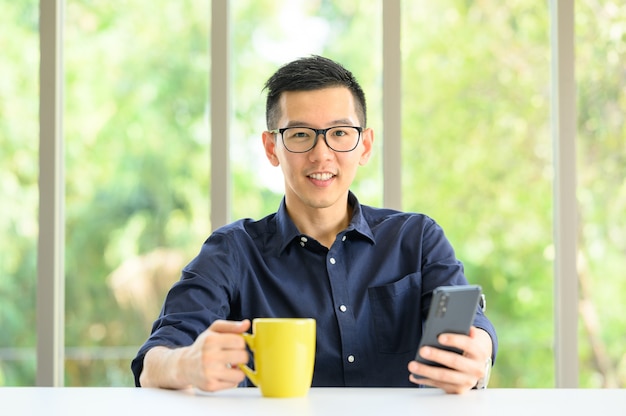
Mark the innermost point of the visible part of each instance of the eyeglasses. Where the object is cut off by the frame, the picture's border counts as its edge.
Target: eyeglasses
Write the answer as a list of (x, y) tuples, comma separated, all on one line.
[(303, 139)]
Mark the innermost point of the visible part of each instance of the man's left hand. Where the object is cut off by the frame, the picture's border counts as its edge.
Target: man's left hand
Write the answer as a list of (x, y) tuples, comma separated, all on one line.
[(464, 370)]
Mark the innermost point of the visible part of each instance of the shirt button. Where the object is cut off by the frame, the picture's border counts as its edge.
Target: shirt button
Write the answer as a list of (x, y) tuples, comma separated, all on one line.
[(350, 358), (332, 260), (303, 240), (343, 238), (343, 308)]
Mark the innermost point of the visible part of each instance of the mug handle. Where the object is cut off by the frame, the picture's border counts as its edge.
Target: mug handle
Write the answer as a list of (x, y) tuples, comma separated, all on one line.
[(251, 374)]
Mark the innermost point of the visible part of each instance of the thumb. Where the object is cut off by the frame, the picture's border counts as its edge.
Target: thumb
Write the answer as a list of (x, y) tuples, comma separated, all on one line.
[(232, 327)]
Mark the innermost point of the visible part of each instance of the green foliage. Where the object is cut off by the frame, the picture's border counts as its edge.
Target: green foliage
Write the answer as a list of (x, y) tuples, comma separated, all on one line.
[(18, 189), (601, 40), (477, 150), (137, 154), (477, 157)]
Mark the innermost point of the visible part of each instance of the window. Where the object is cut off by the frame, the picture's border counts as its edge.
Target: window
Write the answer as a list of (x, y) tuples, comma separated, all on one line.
[(18, 190), (600, 57), (137, 177), (477, 156)]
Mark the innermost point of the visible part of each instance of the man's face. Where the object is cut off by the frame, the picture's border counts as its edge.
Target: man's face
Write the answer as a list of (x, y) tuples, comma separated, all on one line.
[(321, 177)]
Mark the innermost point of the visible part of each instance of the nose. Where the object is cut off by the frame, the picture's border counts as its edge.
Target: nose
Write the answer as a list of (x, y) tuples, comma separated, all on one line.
[(321, 149)]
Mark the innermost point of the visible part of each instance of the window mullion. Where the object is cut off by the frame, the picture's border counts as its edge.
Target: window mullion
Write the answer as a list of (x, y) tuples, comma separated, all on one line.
[(565, 204), (220, 114), (51, 243), (392, 105)]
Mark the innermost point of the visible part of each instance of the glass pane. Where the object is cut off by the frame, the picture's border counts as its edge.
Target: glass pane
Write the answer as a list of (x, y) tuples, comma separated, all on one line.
[(137, 171), (601, 76), (477, 157), (19, 192), (270, 33)]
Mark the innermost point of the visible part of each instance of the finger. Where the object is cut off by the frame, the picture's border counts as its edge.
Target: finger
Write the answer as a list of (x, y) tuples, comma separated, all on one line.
[(231, 373), (217, 343), (229, 370), (224, 356), (232, 358), (216, 384), (233, 327), (221, 367), (460, 342), (447, 387), (475, 344), (449, 380), (460, 369), (435, 373), (448, 359)]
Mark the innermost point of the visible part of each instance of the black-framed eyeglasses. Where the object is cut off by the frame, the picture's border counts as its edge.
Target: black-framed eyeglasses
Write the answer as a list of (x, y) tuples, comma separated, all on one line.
[(303, 139)]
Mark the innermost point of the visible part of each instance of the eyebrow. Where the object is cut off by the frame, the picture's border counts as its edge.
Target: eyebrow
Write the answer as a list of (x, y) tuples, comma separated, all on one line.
[(338, 122)]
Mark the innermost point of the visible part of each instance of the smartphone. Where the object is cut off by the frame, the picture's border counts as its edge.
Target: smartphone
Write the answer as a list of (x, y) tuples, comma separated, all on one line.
[(452, 310)]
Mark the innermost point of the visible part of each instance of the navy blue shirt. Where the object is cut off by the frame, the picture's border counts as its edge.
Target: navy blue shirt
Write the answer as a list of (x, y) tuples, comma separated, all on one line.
[(369, 293)]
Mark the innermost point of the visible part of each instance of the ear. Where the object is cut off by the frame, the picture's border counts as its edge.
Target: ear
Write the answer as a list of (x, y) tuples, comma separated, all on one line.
[(368, 144), (269, 143)]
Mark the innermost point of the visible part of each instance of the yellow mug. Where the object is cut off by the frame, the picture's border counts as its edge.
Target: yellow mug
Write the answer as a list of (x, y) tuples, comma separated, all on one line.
[(284, 356)]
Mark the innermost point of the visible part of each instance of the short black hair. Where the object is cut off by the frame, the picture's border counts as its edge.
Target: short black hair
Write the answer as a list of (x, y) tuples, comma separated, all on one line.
[(307, 74)]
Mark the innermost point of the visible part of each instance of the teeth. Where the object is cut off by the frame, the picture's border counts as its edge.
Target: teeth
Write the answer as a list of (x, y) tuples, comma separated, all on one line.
[(321, 176)]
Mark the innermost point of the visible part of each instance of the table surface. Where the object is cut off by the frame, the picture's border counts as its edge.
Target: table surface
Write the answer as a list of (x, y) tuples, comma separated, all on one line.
[(120, 401)]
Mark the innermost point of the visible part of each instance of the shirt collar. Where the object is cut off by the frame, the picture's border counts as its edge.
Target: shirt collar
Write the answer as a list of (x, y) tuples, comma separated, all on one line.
[(287, 231)]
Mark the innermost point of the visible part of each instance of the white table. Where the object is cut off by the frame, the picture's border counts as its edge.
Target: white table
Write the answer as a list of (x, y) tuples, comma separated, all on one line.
[(112, 401)]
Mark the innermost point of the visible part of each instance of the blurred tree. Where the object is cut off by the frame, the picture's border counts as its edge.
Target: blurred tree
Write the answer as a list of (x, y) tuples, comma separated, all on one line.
[(137, 168), (19, 130), (477, 157), (601, 79)]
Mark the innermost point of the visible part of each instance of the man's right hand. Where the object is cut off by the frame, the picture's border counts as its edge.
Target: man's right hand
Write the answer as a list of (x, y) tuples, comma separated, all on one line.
[(210, 363)]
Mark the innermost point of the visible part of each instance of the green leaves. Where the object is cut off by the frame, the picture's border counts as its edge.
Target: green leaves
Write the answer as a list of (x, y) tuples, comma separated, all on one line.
[(476, 145)]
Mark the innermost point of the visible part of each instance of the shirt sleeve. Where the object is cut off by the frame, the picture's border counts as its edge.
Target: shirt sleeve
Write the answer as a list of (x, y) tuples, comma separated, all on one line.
[(440, 267), (198, 299), (481, 321)]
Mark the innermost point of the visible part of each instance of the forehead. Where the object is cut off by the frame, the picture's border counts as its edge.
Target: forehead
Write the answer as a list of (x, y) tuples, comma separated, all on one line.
[(318, 107)]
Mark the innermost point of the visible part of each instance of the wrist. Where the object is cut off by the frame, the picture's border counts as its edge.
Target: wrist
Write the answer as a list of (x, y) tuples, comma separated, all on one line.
[(163, 368), (482, 382), (175, 361)]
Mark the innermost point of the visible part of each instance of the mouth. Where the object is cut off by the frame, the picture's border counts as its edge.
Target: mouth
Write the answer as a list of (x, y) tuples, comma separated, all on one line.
[(324, 176)]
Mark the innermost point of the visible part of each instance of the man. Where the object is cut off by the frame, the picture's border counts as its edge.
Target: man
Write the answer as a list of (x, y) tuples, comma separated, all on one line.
[(365, 274)]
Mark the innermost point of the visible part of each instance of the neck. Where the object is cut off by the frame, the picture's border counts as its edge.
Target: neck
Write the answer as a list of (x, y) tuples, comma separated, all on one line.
[(323, 224)]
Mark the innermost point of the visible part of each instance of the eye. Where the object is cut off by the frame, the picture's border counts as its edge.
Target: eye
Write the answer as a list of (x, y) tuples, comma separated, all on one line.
[(341, 132), (299, 133)]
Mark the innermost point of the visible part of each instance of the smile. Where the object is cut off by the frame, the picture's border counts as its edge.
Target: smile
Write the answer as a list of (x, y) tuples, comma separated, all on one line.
[(321, 176)]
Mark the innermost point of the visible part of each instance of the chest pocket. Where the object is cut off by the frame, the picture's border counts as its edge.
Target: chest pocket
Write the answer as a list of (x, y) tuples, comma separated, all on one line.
[(396, 313)]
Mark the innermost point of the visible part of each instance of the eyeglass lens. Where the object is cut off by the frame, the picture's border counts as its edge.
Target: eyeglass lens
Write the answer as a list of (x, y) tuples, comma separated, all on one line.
[(339, 139)]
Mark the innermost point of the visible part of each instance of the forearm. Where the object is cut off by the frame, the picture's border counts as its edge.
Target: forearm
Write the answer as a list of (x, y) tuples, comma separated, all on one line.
[(161, 368)]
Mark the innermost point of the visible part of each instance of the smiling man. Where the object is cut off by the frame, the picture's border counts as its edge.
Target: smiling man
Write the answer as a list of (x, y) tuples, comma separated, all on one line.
[(365, 274), (318, 165)]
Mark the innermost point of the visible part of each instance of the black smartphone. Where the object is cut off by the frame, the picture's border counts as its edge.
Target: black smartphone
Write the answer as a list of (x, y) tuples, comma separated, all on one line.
[(452, 310)]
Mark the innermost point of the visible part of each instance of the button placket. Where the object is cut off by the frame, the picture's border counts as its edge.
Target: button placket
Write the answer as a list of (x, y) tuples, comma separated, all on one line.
[(345, 319)]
